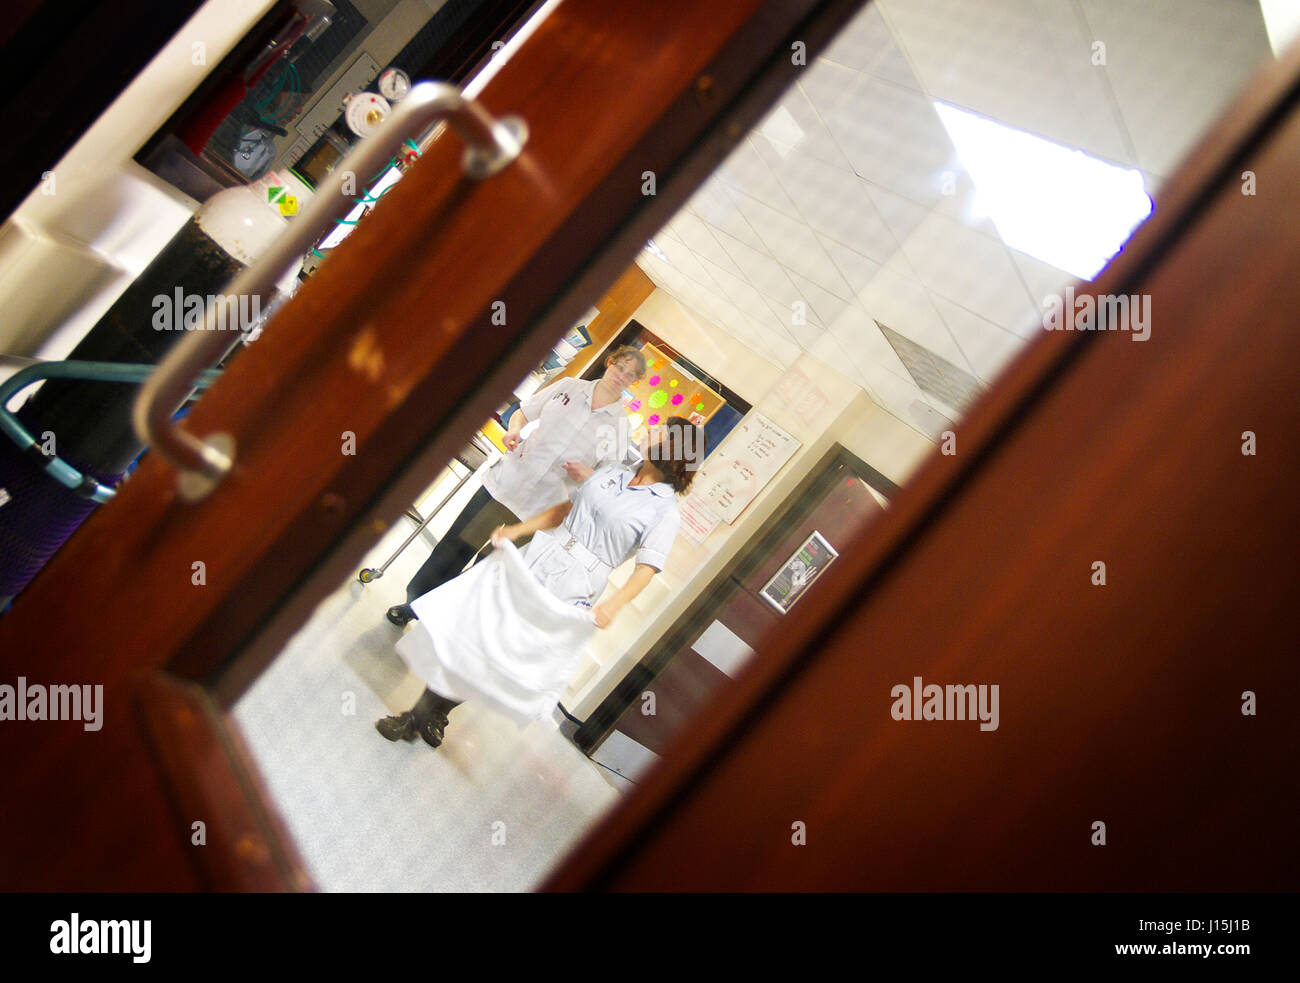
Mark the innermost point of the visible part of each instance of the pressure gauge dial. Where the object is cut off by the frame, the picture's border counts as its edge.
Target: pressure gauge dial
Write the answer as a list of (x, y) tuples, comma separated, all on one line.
[(394, 84), (365, 111)]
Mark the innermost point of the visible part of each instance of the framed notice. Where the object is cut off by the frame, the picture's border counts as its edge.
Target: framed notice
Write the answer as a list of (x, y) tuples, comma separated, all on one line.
[(790, 582)]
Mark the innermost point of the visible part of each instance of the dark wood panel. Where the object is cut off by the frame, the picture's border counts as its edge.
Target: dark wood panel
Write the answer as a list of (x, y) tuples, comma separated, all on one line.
[(687, 683), (841, 516), (1119, 703), (242, 844)]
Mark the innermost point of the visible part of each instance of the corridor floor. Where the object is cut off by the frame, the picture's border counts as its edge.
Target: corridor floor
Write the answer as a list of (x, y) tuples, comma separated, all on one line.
[(494, 809)]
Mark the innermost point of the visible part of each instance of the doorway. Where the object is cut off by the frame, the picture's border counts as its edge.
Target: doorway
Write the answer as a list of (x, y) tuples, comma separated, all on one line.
[(727, 624)]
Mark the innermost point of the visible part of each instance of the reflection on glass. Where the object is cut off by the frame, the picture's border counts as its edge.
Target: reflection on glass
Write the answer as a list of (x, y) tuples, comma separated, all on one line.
[(829, 303)]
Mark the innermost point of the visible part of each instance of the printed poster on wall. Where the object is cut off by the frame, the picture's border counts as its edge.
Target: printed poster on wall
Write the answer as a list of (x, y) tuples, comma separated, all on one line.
[(697, 520), (754, 451), (797, 573)]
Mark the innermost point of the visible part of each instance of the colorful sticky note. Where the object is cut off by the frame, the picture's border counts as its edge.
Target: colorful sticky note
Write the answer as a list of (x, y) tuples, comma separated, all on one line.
[(636, 419), (700, 407), (654, 418), (654, 380), (634, 405), (657, 399), (672, 384), (677, 400)]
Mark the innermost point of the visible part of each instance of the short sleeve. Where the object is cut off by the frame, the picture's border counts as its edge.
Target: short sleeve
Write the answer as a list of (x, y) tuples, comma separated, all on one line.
[(657, 543)]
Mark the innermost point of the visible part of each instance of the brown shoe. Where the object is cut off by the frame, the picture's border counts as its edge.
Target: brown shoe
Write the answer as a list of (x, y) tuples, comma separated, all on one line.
[(432, 728), (399, 728)]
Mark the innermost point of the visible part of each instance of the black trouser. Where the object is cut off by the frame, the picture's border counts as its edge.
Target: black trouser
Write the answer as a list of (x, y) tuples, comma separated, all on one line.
[(465, 537)]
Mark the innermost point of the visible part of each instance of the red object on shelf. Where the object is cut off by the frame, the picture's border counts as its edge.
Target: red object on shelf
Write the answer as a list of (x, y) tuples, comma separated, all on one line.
[(198, 129)]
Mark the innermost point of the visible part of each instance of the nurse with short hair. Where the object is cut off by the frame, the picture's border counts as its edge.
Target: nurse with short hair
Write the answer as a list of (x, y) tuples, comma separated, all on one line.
[(512, 629), (581, 425)]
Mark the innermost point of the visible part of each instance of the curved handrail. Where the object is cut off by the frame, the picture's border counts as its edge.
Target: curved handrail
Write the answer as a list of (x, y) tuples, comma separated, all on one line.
[(203, 462), (59, 469)]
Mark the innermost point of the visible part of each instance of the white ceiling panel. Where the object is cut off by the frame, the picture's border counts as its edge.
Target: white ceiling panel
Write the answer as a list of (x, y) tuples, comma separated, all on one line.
[(795, 125), (836, 204), (1173, 65), (968, 268), (866, 45), (891, 135), (986, 346), (1026, 63), (858, 334), (898, 300), (856, 269), (794, 245), (850, 196)]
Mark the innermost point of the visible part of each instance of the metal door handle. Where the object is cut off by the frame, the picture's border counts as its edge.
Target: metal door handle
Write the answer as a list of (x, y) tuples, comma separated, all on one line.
[(204, 461)]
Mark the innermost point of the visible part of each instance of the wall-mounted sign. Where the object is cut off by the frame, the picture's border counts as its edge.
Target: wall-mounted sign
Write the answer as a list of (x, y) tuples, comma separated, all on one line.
[(790, 582), (754, 451), (696, 520)]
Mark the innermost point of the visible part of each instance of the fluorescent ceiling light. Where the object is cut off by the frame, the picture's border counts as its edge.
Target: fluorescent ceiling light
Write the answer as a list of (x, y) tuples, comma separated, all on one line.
[(1057, 204), (1282, 21)]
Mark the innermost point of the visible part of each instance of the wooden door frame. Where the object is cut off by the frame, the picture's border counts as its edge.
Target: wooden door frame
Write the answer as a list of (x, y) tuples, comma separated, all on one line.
[(369, 346)]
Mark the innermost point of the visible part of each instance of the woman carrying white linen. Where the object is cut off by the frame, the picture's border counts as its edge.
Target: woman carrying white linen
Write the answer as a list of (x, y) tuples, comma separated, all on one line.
[(512, 628)]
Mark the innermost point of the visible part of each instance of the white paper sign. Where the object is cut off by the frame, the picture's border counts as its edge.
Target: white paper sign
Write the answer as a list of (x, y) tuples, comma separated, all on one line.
[(747, 460), (697, 520)]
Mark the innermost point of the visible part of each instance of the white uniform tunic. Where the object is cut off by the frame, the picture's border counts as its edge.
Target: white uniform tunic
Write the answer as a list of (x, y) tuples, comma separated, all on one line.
[(531, 478), (610, 518), (513, 627)]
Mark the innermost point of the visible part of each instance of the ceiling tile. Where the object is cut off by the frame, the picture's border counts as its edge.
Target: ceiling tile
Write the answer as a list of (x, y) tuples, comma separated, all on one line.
[(833, 202), (892, 136), (987, 347), (1043, 281), (795, 246), (794, 125), (694, 233), (936, 376), (896, 299), (1026, 63), (831, 353), (866, 45), (969, 269), (861, 337), (760, 270), (685, 261), (718, 207), (744, 171), (856, 269), (824, 305), (1174, 65), (805, 334)]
